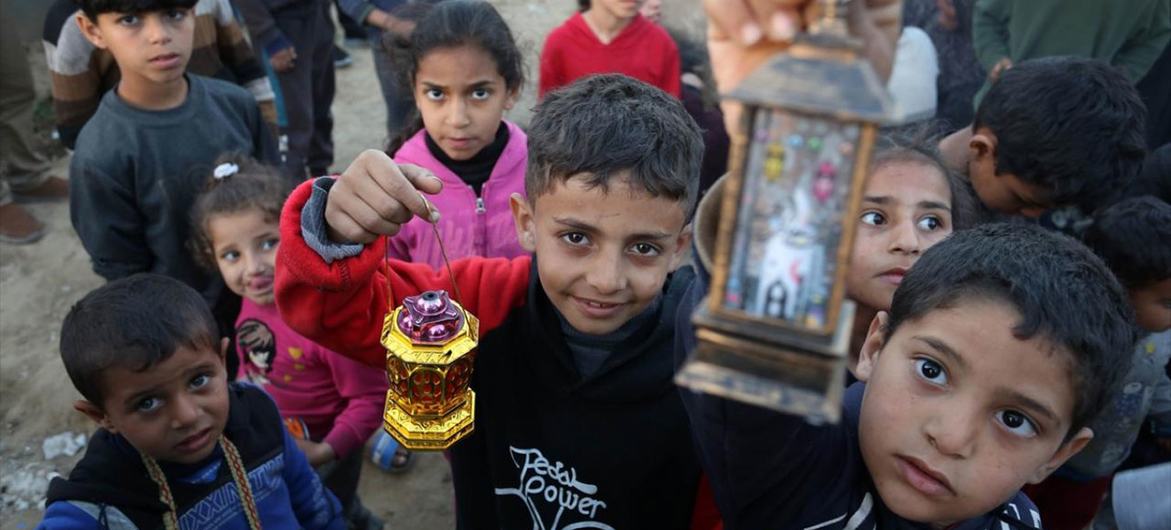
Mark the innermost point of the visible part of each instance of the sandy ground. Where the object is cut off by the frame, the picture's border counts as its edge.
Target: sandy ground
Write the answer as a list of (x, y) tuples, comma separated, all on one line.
[(39, 283)]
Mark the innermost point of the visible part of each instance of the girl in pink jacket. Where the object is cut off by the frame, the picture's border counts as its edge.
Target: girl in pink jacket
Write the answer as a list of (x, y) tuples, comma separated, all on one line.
[(465, 71)]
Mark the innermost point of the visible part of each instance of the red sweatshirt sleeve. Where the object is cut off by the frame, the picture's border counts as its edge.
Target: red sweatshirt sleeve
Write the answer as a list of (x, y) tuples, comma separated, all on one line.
[(550, 74), (363, 388), (673, 79), (341, 305)]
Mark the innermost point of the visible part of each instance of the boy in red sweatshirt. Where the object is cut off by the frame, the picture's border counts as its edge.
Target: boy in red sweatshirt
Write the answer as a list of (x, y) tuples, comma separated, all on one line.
[(610, 36)]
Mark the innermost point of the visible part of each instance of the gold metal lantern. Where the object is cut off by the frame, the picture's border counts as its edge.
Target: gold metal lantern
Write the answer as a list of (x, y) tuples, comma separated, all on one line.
[(430, 342), (775, 326)]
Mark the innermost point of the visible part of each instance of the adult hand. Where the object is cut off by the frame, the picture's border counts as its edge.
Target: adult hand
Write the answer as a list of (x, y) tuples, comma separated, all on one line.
[(375, 197), (743, 34), (284, 60), (317, 453)]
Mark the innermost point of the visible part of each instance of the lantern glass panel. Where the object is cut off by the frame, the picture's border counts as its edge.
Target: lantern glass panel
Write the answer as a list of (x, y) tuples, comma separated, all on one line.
[(796, 186)]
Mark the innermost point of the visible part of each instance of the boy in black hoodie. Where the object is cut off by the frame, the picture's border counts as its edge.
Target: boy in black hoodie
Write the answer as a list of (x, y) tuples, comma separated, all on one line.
[(578, 423)]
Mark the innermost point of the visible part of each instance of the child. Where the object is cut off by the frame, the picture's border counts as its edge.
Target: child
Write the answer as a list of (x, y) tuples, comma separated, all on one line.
[(610, 36), (1134, 238), (1001, 344), (910, 201), (465, 71), (573, 371), (338, 402), (178, 445), (1058, 131), (80, 72), (143, 156), (297, 38)]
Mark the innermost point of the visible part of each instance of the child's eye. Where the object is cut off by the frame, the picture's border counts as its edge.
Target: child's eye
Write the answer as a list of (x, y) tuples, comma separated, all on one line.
[(230, 256), (873, 218), (930, 223), (199, 381), (931, 371), (1017, 423), (576, 239), (645, 249), (128, 20), (148, 404), (271, 243), (433, 94), (176, 14), (481, 93)]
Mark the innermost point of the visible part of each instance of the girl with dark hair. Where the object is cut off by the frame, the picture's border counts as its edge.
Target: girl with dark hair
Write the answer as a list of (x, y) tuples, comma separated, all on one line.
[(330, 404), (465, 71)]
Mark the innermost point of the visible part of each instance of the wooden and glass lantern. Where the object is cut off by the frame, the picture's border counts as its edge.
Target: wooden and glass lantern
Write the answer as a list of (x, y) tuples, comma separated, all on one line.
[(430, 342), (775, 326)]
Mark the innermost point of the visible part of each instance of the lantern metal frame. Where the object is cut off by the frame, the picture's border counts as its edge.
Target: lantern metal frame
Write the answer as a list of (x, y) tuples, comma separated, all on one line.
[(771, 361)]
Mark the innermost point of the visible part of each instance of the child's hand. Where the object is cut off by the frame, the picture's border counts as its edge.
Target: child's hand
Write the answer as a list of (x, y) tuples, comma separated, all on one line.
[(284, 60), (316, 453), (375, 197)]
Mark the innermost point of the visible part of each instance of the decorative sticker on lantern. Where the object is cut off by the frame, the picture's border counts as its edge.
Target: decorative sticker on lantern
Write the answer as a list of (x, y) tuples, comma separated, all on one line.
[(796, 183), (552, 493)]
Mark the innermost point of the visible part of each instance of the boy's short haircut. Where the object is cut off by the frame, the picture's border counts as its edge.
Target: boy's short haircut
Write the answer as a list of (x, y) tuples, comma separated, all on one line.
[(134, 322), (93, 8), (1133, 236), (1062, 291), (1073, 126), (606, 124)]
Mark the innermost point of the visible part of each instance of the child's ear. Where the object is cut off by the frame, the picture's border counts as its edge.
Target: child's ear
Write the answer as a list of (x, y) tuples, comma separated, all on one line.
[(522, 215), (1065, 452), (94, 413), (982, 145), (510, 99), (872, 346), (90, 29), (682, 245)]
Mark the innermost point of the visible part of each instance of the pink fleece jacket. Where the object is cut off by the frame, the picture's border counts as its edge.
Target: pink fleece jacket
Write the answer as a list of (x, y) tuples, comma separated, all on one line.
[(470, 226), (339, 400)]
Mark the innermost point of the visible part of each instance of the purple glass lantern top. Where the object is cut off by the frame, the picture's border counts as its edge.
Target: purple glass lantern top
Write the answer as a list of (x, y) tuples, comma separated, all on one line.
[(430, 318)]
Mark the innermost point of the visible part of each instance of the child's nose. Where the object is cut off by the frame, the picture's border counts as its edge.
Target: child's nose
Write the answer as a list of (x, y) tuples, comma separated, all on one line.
[(905, 238), (184, 412), (458, 117), (157, 31), (606, 274), (953, 431)]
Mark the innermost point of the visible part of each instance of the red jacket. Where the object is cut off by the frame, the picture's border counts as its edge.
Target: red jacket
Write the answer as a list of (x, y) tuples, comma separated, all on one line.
[(643, 50)]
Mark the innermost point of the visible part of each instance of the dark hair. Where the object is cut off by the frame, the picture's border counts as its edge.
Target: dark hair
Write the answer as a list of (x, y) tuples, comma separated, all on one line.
[(1072, 126), (1133, 236), (93, 8), (252, 186), (919, 144), (449, 24), (606, 124), (1062, 291), (134, 322)]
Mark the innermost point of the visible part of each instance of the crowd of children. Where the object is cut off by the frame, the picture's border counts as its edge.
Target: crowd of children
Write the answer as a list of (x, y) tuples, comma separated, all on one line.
[(1003, 373)]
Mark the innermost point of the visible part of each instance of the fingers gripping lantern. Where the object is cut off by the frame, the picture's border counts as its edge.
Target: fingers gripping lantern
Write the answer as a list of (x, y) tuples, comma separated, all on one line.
[(430, 342)]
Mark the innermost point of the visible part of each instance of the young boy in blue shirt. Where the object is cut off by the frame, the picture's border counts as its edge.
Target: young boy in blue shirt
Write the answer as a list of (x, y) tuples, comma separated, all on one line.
[(178, 445)]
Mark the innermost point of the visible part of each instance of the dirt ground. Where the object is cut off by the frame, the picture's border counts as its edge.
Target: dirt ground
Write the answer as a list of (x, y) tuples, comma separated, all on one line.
[(39, 283)]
